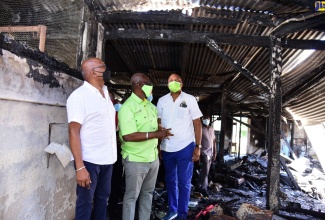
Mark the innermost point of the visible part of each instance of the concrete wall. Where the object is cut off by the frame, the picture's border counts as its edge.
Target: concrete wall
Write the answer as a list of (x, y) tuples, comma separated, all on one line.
[(31, 98)]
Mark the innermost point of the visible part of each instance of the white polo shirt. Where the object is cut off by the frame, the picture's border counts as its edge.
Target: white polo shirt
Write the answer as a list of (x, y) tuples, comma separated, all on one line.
[(96, 115), (178, 116)]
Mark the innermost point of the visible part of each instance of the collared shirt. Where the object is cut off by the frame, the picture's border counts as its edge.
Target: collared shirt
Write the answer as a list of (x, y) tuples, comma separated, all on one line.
[(178, 116), (207, 140), (138, 115), (96, 115)]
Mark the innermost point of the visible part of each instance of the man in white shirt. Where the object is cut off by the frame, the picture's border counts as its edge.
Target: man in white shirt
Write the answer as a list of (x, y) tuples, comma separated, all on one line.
[(91, 118), (180, 112)]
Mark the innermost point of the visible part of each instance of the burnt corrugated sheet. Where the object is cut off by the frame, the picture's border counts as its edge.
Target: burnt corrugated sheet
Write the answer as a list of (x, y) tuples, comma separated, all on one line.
[(201, 67)]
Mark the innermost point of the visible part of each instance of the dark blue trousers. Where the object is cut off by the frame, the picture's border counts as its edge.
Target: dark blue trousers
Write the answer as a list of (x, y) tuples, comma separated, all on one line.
[(178, 175), (98, 194)]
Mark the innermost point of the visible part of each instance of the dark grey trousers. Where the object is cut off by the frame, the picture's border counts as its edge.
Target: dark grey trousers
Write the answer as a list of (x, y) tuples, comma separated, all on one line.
[(204, 172)]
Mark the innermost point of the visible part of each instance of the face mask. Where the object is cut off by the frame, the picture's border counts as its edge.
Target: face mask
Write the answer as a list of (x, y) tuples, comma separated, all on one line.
[(150, 98), (174, 86), (106, 76), (117, 107), (206, 121), (147, 90)]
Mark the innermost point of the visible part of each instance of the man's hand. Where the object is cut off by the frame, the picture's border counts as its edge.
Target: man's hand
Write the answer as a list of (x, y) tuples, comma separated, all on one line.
[(196, 154), (163, 133), (83, 178)]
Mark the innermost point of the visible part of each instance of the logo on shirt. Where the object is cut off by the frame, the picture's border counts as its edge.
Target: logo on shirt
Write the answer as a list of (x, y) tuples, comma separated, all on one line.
[(183, 104), (319, 5)]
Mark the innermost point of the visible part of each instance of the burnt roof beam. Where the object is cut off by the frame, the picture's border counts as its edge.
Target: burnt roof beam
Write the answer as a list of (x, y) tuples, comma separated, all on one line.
[(195, 37), (298, 24), (215, 47), (165, 88), (165, 18)]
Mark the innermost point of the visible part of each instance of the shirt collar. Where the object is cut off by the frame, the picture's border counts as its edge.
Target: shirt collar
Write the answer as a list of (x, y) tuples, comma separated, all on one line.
[(179, 97), (95, 90), (136, 98)]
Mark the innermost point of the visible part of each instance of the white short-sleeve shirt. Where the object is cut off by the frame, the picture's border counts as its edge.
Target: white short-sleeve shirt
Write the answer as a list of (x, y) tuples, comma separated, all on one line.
[(178, 116), (96, 115)]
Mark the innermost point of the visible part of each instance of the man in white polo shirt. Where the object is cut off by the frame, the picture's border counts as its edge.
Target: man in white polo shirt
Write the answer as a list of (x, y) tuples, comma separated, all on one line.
[(180, 112), (92, 135)]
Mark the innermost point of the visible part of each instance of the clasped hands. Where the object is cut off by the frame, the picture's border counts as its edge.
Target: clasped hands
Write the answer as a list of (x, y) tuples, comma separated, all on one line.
[(163, 133)]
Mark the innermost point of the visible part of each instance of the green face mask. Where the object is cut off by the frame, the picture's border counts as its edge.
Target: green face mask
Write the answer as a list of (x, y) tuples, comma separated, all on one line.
[(147, 90), (174, 86)]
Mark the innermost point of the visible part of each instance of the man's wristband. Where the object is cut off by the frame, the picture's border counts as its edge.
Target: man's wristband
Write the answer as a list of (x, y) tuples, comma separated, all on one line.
[(80, 168), (198, 145)]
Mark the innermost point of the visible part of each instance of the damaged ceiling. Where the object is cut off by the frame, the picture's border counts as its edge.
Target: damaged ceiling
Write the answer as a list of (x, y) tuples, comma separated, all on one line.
[(216, 46), (163, 37)]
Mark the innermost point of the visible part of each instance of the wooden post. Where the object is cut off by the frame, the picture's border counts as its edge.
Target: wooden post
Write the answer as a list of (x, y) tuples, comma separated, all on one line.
[(274, 129), (222, 130)]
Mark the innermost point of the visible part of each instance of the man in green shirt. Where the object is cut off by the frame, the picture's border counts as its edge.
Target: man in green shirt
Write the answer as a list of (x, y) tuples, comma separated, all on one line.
[(139, 134)]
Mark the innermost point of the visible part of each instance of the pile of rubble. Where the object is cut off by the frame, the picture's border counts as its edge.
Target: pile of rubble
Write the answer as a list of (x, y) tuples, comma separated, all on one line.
[(239, 192)]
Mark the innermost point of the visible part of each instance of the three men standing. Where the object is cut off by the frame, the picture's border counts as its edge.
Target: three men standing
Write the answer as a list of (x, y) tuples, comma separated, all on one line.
[(91, 118)]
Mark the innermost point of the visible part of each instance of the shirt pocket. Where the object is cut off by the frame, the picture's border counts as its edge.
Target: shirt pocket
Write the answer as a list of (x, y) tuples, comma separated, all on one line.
[(183, 112)]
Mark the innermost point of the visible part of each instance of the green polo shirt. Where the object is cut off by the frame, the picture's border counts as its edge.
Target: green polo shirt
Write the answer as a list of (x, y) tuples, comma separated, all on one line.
[(138, 115)]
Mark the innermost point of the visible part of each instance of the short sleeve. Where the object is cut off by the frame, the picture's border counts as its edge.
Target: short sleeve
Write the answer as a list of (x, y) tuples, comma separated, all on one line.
[(159, 108), (126, 121), (212, 133), (195, 110), (76, 109)]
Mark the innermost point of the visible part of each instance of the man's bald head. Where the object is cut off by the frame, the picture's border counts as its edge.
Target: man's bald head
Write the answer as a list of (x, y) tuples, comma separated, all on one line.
[(138, 77), (88, 65)]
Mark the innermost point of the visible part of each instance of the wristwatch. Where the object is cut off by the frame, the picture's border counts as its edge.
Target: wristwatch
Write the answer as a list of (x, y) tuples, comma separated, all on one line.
[(198, 145)]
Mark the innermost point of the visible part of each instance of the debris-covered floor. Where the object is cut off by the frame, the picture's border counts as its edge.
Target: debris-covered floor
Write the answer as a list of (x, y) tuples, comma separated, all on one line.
[(240, 192)]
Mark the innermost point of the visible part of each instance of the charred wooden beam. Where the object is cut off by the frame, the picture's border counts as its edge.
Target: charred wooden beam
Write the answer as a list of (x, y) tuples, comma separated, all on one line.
[(303, 84), (164, 18), (215, 47), (220, 161), (36, 55), (292, 179), (165, 88), (258, 124), (187, 37), (195, 37), (320, 215), (262, 20), (298, 24), (273, 177), (303, 44)]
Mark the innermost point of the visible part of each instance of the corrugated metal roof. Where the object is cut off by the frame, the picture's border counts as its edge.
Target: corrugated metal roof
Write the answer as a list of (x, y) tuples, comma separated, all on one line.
[(163, 37), (200, 66)]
